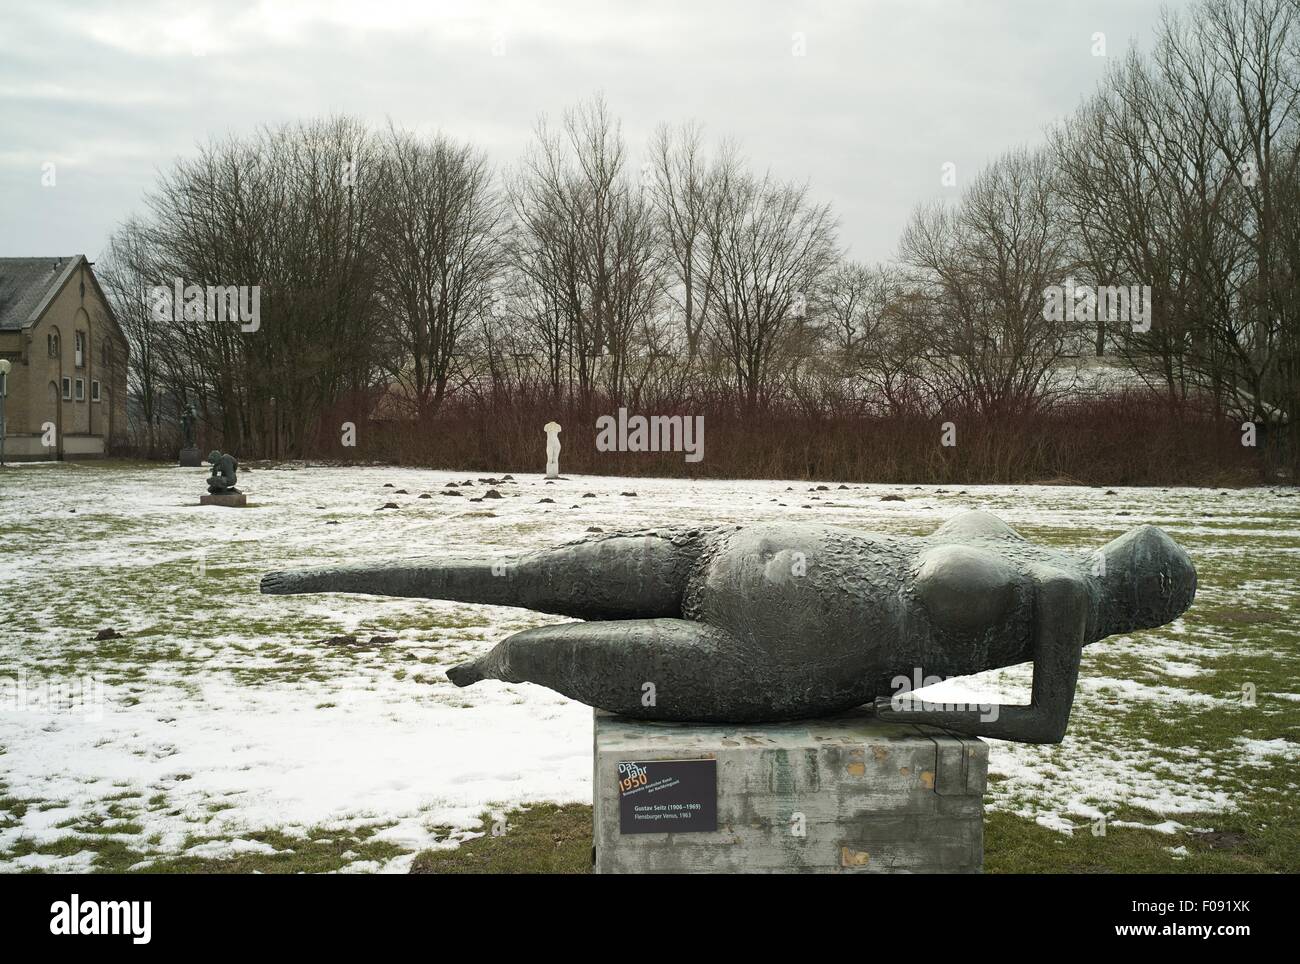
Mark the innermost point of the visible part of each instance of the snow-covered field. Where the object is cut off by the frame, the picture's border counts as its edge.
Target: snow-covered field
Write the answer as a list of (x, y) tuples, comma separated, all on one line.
[(220, 713)]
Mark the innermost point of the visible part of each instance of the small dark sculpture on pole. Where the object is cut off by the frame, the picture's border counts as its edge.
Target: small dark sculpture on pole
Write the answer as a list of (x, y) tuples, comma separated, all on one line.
[(786, 620), (189, 449), (188, 418)]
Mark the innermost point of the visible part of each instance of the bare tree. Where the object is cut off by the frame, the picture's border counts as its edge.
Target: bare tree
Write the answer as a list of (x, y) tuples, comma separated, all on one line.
[(771, 247), (980, 270), (127, 277), (585, 248), (681, 181), (1194, 195), (853, 301), (288, 212), (440, 255)]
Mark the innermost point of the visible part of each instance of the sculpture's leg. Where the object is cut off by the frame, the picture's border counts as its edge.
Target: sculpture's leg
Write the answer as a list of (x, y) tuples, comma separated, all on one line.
[(1060, 620), (617, 577), (666, 669)]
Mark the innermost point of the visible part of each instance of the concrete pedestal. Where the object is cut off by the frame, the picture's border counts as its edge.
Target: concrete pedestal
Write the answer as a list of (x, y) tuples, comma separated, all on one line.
[(847, 794), (234, 500), (190, 458)]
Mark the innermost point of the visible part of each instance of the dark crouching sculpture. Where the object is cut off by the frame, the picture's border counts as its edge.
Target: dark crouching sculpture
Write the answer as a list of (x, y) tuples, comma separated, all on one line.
[(786, 620), (223, 476)]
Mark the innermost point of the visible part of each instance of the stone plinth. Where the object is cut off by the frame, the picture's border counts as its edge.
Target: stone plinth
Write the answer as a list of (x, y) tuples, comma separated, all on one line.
[(847, 794), (190, 458), (232, 499)]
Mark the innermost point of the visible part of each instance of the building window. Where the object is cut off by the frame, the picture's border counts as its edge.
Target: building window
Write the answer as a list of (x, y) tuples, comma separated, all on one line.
[(94, 390), (79, 349), (81, 389), (52, 344), (67, 388), (4, 384)]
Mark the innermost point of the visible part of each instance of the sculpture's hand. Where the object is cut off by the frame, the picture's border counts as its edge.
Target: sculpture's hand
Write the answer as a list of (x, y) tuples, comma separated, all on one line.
[(1060, 620)]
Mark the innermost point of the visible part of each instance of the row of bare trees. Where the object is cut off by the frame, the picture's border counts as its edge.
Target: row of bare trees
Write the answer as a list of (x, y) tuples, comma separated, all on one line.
[(1182, 174), (288, 211), (399, 271), (1195, 191)]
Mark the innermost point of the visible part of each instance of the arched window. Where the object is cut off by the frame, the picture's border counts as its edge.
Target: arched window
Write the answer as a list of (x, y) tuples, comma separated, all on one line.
[(80, 343), (52, 343)]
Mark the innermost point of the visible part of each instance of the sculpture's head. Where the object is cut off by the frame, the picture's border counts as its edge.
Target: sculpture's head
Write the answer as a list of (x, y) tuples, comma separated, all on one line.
[(214, 456), (1149, 580)]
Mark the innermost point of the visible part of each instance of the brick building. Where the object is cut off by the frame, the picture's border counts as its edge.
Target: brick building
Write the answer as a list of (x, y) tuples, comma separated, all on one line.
[(66, 388)]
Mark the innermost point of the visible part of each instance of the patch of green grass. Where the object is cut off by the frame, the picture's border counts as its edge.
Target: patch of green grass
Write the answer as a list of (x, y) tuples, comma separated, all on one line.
[(111, 855), (12, 809), (438, 621), (544, 839), (558, 840), (1017, 845), (322, 851)]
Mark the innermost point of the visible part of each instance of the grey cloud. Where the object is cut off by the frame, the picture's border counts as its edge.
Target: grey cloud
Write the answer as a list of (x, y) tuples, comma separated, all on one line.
[(887, 91)]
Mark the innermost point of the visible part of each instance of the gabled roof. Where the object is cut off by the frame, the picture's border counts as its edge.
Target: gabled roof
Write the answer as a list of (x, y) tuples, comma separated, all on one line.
[(28, 284)]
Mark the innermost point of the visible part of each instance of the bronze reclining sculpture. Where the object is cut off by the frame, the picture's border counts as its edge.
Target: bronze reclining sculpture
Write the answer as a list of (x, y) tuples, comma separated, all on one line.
[(786, 620)]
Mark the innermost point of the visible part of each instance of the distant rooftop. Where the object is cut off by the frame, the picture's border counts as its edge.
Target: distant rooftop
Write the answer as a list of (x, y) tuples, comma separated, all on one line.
[(27, 283)]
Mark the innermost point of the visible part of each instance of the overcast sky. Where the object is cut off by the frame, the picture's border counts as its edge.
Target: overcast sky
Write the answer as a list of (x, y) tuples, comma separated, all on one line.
[(885, 93)]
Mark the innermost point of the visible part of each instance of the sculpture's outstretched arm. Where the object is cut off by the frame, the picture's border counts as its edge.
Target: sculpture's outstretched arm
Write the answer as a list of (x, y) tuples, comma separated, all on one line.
[(1060, 620), (616, 577), (664, 669)]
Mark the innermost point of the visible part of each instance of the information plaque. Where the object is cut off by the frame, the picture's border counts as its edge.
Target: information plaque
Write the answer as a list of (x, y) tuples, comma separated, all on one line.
[(668, 796)]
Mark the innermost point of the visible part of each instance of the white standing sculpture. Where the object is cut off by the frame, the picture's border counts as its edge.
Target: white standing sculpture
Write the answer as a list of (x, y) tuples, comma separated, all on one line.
[(552, 430)]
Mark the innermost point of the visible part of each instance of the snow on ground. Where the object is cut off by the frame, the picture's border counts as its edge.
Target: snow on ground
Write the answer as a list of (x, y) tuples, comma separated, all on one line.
[(220, 713)]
